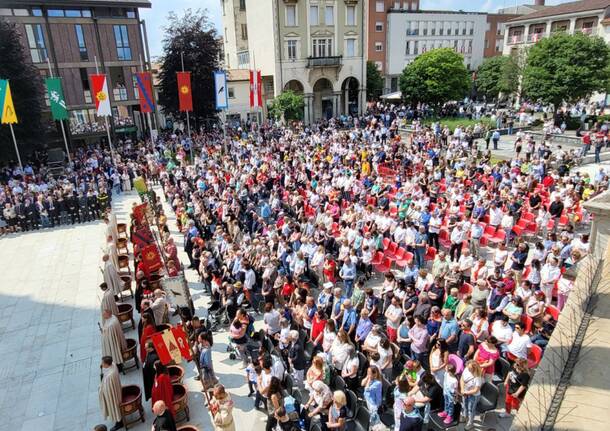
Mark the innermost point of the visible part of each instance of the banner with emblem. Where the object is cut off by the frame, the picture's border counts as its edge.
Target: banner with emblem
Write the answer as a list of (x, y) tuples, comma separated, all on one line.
[(185, 96), (56, 99), (182, 342), (144, 82), (99, 84), (151, 260), (142, 237), (139, 212)]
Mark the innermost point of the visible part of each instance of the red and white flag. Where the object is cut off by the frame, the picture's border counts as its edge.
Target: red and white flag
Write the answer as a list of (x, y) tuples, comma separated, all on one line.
[(256, 92), (99, 83)]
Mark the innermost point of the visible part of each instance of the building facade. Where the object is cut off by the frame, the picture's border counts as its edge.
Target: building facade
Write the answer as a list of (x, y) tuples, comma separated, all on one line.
[(78, 38), (235, 39), (314, 47), (410, 34), (376, 33), (494, 36), (588, 17)]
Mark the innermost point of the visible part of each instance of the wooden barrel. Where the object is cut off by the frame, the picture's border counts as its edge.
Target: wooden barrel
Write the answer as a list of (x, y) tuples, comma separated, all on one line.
[(176, 373), (125, 314), (131, 353), (180, 401), (131, 404), (121, 227), (121, 244), (126, 279), (155, 281), (123, 261), (187, 428)]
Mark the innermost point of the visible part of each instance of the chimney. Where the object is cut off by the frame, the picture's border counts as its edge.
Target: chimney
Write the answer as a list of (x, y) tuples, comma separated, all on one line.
[(539, 2)]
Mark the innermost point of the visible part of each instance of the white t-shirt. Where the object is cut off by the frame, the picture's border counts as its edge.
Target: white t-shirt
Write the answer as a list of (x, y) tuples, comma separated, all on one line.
[(500, 331), (394, 312), (471, 382), (519, 345)]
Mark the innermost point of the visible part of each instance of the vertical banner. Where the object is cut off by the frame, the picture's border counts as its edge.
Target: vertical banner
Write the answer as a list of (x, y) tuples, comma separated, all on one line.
[(185, 96), (56, 99), (144, 81), (220, 86), (7, 109), (256, 93), (182, 342), (99, 83)]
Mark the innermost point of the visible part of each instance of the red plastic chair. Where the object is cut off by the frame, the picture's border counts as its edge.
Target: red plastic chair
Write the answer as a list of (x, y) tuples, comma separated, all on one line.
[(377, 259), (499, 237), (526, 272), (443, 238), (386, 243), (384, 266), (553, 311), (489, 232), (406, 258), (336, 230), (430, 253), (527, 322), (391, 251), (534, 356), (466, 289)]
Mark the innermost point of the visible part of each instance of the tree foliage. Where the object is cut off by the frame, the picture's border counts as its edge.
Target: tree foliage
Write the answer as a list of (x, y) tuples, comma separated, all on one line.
[(374, 81), (26, 88), (289, 105), (498, 74), (193, 36), (435, 77), (566, 68)]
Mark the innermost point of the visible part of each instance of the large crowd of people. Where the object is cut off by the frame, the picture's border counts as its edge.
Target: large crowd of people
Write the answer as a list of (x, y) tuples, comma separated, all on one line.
[(398, 277)]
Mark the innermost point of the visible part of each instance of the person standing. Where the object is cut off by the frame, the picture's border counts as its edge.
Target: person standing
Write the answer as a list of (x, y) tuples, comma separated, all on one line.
[(495, 137), (148, 369), (348, 275), (221, 407), (111, 276), (457, 238), (110, 394), (108, 301), (113, 339), (164, 420), (162, 389)]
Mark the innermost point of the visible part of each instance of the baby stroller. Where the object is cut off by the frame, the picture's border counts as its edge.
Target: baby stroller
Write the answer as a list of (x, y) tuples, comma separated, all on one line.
[(253, 345)]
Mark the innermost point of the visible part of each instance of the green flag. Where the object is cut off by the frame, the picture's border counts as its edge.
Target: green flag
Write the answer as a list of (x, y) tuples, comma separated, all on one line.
[(56, 98)]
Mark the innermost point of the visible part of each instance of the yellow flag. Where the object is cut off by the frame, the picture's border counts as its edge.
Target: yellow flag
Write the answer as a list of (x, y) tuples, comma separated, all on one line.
[(8, 109)]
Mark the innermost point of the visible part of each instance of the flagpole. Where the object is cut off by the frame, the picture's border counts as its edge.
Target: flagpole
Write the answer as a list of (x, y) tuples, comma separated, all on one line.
[(97, 71), (16, 148), (188, 122), (150, 124), (61, 122), (255, 76)]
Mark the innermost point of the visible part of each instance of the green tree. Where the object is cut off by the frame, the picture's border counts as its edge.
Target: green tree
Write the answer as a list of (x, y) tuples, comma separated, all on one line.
[(374, 81), (566, 68), (435, 77), (27, 91), (194, 37), (497, 75), (288, 105)]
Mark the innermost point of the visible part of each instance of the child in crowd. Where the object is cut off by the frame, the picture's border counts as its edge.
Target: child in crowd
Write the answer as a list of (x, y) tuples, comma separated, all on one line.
[(450, 386), (252, 373)]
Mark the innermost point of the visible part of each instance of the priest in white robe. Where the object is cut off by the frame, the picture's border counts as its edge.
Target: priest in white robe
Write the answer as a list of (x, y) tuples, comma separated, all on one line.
[(113, 339), (108, 301), (111, 276), (110, 393)]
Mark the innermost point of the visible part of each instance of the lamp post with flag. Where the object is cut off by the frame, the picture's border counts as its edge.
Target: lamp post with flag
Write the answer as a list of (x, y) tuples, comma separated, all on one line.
[(222, 101), (7, 113), (145, 94), (58, 104), (99, 83), (185, 97)]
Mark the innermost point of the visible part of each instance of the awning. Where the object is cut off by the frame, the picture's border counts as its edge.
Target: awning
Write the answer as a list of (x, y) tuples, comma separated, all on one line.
[(397, 95)]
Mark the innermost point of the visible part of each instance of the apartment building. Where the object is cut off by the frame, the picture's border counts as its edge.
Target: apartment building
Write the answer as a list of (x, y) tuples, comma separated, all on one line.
[(235, 40), (76, 37), (589, 17), (314, 47), (410, 34)]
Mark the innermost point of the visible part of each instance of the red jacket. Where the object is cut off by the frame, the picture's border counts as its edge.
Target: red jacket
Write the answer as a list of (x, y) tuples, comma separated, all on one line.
[(162, 390)]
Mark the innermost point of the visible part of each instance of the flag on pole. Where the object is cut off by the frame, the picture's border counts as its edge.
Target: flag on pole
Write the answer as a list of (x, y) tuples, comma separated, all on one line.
[(102, 98), (56, 98), (144, 82), (220, 87), (7, 109), (256, 93), (185, 96)]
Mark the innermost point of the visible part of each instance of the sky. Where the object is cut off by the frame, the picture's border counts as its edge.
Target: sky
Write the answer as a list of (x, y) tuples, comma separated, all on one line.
[(155, 17)]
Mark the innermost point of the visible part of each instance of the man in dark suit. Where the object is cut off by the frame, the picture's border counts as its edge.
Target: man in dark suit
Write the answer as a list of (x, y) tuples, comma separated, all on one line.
[(148, 369), (164, 420)]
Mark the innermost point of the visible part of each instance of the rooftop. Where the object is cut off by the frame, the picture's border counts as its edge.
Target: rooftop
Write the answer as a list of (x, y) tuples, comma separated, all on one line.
[(238, 75), (566, 8)]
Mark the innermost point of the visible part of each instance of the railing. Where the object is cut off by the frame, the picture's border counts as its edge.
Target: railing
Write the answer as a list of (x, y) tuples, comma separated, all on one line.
[(512, 40), (535, 37), (587, 30), (324, 61)]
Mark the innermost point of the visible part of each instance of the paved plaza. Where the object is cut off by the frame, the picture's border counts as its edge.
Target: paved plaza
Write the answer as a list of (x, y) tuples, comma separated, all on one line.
[(49, 336)]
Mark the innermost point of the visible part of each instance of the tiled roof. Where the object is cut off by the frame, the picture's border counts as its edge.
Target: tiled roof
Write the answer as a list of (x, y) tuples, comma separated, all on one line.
[(566, 8)]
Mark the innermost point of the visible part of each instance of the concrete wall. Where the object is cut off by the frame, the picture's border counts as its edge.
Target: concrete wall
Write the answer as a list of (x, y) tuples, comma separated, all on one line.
[(261, 35)]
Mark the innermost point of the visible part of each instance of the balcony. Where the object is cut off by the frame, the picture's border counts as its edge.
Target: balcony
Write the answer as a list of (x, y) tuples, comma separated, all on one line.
[(515, 39), (351, 2), (334, 61), (535, 37)]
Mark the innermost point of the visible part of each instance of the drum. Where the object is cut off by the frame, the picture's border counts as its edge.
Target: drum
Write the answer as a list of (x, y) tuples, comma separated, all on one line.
[(124, 262), (131, 405), (187, 428), (131, 353), (126, 314), (181, 403), (163, 326), (176, 373)]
